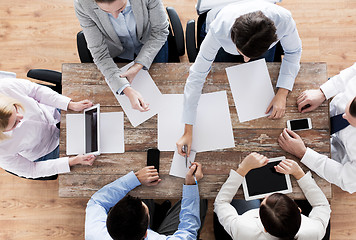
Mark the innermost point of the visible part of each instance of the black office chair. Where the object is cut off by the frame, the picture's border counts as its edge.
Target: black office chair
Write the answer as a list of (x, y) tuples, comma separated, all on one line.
[(49, 76), (193, 45), (176, 46)]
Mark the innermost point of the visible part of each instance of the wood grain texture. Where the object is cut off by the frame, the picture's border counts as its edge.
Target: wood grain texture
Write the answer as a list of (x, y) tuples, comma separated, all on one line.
[(85, 81), (41, 34)]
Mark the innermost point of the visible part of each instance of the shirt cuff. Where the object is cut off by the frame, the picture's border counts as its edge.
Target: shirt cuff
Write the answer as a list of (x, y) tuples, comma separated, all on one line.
[(328, 88), (63, 102), (285, 81), (303, 182), (121, 90), (309, 157), (235, 176), (190, 191), (131, 180), (63, 165)]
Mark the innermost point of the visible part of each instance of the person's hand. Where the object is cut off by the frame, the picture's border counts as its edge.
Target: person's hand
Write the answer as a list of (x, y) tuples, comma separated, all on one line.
[(310, 100), (82, 160), (148, 176), (186, 139), (288, 166), (292, 143), (136, 99), (194, 169), (252, 161), (79, 106), (278, 104), (131, 73)]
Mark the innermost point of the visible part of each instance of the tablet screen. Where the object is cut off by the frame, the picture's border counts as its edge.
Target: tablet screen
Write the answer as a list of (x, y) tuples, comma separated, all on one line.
[(265, 180), (91, 130)]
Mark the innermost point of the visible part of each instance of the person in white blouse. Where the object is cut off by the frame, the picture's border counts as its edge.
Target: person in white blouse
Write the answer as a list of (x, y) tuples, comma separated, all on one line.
[(29, 137), (250, 29), (341, 168), (278, 217)]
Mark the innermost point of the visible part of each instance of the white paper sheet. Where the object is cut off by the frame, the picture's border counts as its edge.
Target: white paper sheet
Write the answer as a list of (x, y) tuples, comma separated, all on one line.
[(212, 130), (178, 168), (144, 84), (111, 133), (251, 88)]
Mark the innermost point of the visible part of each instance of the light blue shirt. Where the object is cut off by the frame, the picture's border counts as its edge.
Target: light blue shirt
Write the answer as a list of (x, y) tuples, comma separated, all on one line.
[(101, 202), (125, 28), (219, 35)]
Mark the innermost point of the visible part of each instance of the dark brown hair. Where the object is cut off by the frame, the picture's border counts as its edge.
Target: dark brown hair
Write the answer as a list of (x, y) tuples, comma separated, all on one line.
[(253, 33), (128, 219), (352, 109), (280, 216)]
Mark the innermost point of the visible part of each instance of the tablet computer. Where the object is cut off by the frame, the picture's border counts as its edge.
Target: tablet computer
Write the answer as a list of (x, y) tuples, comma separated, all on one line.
[(261, 182), (91, 130)]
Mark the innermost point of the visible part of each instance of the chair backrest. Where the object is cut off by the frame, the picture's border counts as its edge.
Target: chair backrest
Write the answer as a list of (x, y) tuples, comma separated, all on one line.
[(176, 46), (83, 51), (49, 76)]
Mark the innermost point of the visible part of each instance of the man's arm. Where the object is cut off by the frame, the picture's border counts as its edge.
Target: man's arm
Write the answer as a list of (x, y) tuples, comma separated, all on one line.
[(189, 216), (101, 202), (342, 175), (338, 83)]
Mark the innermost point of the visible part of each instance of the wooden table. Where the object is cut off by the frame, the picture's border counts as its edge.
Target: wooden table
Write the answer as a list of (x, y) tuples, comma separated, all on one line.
[(84, 81)]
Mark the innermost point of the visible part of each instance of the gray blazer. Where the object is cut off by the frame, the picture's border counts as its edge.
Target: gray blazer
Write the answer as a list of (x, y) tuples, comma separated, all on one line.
[(104, 44)]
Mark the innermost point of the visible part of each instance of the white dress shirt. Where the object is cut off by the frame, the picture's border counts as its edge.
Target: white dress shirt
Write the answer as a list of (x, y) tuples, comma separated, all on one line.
[(36, 135), (219, 35), (249, 225), (341, 169)]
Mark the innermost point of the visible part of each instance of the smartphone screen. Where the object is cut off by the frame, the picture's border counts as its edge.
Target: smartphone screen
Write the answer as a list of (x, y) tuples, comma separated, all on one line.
[(299, 124), (153, 158)]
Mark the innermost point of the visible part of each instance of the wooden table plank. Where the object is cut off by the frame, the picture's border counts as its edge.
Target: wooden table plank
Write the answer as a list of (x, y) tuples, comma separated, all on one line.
[(85, 81)]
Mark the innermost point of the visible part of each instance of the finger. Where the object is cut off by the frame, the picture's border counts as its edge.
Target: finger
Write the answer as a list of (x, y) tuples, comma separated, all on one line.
[(154, 183), (301, 98), (180, 149), (189, 148), (291, 133), (192, 170), (149, 167), (273, 114), (286, 134), (153, 178), (279, 169), (269, 108)]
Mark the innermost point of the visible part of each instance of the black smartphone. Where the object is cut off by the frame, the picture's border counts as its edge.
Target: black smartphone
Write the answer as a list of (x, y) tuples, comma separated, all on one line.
[(153, 158)]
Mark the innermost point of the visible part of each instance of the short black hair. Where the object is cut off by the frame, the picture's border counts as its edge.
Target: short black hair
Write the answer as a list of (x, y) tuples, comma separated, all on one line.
[(280, 216), (253, 33), (352, 108), (128, 219)]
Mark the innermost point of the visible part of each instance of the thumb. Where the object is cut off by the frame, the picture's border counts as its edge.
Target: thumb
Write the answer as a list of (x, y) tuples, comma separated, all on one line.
[(269, 107), (192, 169)]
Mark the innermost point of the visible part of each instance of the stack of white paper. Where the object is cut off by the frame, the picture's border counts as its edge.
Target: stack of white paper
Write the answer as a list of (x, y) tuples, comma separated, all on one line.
[(212, 130), (251, 88)]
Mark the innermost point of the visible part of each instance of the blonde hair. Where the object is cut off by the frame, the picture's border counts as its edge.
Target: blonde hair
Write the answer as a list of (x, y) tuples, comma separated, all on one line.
[(6, 109)]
